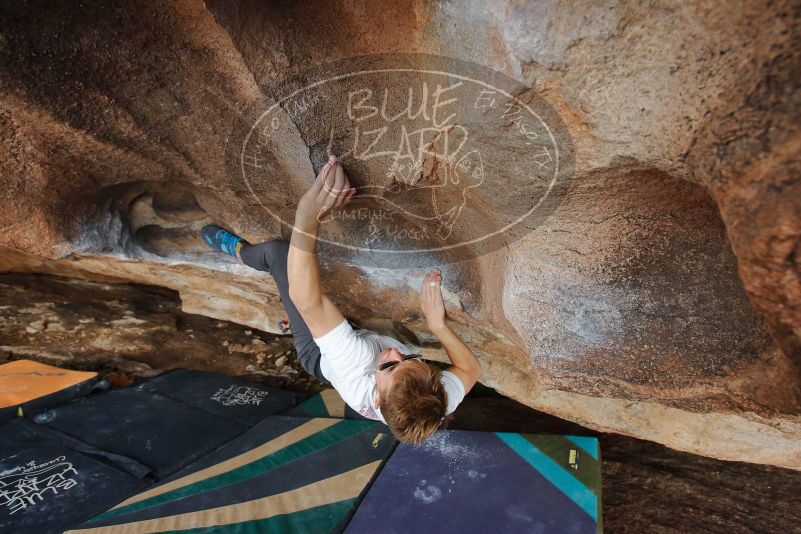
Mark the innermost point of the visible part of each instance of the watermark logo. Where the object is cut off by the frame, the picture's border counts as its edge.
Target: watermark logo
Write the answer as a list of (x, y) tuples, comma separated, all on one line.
[(451, 160)]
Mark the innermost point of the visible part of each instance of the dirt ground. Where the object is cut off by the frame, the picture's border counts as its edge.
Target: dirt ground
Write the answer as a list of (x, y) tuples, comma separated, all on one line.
[(128, 332)]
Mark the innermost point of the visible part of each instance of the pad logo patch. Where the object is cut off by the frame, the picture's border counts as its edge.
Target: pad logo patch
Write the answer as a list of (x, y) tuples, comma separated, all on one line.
[(26, 485), (239, 396), (572, 459)]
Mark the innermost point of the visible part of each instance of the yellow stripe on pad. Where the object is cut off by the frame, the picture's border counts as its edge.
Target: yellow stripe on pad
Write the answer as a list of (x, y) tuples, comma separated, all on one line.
[(333, 403)]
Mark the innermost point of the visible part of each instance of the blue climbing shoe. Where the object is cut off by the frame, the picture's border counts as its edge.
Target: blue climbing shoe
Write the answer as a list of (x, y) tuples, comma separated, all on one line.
[(220, 239)]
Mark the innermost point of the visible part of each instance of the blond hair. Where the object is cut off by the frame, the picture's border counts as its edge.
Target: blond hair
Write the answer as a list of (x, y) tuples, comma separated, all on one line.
[(416, 403)]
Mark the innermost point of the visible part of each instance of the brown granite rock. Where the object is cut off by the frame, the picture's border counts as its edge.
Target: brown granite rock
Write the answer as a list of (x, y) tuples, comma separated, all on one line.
[(654, 291)]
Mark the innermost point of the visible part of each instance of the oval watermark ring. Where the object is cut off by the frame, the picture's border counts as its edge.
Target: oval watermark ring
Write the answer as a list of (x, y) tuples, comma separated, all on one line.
[(450, 159)]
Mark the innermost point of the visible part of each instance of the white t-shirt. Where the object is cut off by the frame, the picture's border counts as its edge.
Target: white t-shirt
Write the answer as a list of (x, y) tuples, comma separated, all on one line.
[(348, 360)]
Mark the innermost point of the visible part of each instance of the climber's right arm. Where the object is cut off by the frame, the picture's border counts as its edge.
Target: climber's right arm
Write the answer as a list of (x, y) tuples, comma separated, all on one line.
[(330, 190)]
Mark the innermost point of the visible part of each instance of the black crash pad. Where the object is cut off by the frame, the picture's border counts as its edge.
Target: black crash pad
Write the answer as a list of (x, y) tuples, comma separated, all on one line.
[(46, 487), (234, 398), (157, 431)]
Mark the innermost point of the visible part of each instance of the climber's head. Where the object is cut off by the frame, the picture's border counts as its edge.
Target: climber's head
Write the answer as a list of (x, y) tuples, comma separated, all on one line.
[(410, 395)]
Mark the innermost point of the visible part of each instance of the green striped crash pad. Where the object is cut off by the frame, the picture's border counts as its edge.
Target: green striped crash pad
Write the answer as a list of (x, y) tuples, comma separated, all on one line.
[(327, 403), (486, 482), (286, 474)]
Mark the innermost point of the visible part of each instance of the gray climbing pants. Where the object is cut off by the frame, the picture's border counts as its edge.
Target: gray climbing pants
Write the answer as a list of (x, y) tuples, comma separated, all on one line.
[(271, 257)]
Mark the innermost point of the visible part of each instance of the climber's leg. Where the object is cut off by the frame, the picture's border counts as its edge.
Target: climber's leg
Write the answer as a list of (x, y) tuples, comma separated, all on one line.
[(271, 257)]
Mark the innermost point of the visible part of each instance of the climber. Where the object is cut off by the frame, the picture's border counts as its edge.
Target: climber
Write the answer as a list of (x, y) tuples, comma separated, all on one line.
[(376, 375)]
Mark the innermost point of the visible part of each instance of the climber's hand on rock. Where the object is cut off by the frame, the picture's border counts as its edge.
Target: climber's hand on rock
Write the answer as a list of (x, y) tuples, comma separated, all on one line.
[(431, 301), (330, 190)]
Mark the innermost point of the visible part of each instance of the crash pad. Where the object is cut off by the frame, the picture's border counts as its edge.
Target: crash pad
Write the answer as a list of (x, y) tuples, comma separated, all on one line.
[(285, 474), (30, 387), (46, 487), (233, 398), (327, 403), (157, 431), (467, 482)]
